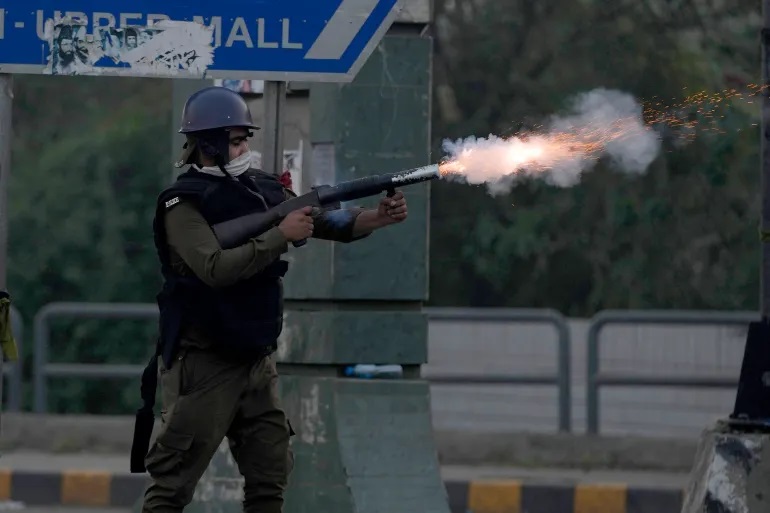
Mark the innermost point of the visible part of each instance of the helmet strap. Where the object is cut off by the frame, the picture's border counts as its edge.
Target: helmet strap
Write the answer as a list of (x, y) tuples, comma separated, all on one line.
[(215, 144), (221, 165)]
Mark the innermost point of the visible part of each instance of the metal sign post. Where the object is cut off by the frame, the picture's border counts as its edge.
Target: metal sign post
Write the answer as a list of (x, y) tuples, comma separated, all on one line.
[(765, 164), (6, 136), (752, 400), (274, 99)]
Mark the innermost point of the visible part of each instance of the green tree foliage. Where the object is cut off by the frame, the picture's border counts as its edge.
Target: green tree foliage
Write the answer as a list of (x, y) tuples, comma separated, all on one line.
[(89, 157), (681, 236)]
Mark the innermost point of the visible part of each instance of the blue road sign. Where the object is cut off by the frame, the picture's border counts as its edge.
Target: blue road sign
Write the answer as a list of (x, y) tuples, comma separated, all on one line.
[(304, 40)]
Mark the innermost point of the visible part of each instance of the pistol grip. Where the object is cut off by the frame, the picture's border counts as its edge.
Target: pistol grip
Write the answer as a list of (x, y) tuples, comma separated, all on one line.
[(391, 192)]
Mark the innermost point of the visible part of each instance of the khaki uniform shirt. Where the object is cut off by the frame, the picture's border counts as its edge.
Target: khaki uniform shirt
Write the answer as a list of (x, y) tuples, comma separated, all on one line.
[(194, 249)]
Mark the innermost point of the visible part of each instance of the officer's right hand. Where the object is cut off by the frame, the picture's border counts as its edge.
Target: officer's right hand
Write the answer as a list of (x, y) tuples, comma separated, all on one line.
[(298, 225)]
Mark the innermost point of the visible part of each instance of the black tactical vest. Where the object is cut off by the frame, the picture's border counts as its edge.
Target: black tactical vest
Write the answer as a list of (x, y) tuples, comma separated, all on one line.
[(243, 319)]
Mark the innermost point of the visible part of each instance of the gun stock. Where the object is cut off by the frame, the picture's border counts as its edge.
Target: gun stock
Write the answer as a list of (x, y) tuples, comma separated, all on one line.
[(237, 231)]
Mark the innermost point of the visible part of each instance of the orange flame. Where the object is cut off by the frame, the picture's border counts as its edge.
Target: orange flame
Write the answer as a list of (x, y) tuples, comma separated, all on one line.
[(538, 152)]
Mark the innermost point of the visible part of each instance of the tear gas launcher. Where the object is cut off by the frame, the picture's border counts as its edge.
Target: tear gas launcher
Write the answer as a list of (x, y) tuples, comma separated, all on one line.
[(237, 231)]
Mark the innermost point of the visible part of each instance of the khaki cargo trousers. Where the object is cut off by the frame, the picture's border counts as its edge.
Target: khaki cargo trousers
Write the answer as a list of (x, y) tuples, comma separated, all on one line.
[(206, 398)]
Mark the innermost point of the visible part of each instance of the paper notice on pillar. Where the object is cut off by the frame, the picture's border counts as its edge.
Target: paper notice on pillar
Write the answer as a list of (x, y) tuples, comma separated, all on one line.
[(292, 161), (323, 164), (164, 49), (242, 86)]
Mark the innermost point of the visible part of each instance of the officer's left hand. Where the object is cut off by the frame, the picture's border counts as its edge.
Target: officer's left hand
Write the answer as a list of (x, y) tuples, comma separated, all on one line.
[(393, 209)]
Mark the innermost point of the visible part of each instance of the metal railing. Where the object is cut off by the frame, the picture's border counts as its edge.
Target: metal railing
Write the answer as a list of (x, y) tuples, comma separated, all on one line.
[(561, 378), (595, 378), (12, 371), (43, 369)]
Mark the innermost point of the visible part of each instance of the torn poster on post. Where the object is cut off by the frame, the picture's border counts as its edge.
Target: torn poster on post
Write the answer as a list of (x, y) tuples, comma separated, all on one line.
[(242, 86), (165, 48), (292, 162)]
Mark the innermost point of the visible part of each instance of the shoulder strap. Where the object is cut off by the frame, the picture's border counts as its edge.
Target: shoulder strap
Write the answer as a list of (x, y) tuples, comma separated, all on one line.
[(258, 173), (188, 186)]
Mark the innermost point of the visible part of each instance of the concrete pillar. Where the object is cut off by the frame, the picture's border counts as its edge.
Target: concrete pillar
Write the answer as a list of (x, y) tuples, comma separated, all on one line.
[(731, 472), (364, 445)]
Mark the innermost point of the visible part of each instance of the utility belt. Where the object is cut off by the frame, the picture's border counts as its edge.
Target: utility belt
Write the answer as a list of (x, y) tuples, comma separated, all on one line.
[(256, 355)]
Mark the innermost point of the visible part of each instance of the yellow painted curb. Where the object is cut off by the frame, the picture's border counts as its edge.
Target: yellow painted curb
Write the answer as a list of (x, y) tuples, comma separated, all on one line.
[(5, 485), (85, 488), (494, 496), (600, 498)]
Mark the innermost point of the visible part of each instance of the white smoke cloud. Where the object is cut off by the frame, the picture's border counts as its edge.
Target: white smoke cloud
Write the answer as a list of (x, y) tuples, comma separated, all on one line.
[(599, 123)]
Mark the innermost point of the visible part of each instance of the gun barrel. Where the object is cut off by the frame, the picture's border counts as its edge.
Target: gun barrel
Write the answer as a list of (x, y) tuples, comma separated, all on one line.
[(371, 185), (420, 174)]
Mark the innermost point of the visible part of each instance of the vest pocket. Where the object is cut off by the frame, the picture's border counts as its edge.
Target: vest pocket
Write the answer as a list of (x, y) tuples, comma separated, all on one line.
[(250, 320)]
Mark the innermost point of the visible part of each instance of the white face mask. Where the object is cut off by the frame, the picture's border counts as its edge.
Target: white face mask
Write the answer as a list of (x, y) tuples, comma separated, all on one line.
[(235, 167)]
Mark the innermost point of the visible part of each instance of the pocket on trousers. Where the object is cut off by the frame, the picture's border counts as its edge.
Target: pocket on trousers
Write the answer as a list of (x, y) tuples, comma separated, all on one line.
[(168, 452)]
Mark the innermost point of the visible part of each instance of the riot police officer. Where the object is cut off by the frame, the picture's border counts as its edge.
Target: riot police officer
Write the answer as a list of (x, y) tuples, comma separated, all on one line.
[(221, 312)]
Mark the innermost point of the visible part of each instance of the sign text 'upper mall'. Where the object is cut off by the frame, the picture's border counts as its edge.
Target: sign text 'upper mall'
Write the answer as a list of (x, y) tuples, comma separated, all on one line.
[(248, 33)]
